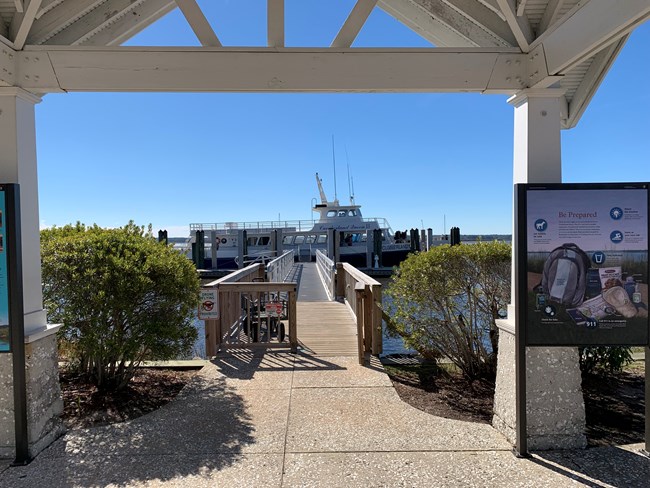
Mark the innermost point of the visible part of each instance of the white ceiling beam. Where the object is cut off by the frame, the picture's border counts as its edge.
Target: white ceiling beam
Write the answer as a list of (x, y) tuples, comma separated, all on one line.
[(125, 27), (22, 23), (271, 70), (19, 6), (494, 6), (521, 7), (519, 25), (275, 23), (550, 15), (199, 24), (353, 24), (423, 23), (93, 22), (599, 67), (61, 16), (8, 66), (597, 24), (487, 19), (450, 23), (46, 6)]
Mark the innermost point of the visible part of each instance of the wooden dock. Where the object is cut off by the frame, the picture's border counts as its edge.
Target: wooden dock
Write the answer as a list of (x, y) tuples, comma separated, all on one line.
[(325, 328)]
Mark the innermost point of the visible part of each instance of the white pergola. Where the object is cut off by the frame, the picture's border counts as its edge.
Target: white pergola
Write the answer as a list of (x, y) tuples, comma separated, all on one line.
[(551, 55)]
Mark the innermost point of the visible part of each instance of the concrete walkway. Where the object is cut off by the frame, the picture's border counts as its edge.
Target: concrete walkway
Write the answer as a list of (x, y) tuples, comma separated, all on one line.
[(278, 420)]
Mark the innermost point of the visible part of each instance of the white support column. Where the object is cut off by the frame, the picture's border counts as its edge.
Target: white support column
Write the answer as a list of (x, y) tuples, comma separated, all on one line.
[(18, 165), (551, 373)]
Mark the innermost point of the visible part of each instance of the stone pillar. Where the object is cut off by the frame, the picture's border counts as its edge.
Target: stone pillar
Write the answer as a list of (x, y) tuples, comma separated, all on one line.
[(18, 165), (555, 406)]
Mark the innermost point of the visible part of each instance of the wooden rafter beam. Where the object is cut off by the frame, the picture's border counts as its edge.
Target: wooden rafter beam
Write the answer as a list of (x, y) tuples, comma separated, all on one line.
[(271, 70), (22, 23), (592, 27), (521, 7), (63, 14), (519, 25), (550, 14), (125, 27), (275, 23), (199, 24), (46, 6), (593, 77), (353, 24), (486, 19)]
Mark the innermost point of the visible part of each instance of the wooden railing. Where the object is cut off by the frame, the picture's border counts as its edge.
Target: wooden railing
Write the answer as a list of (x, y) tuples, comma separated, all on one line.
[(327, 271), (278, 269), (253, 313), (363, 294)]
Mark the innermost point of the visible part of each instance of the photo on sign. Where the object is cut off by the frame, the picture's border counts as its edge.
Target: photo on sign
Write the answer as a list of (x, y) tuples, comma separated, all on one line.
[(587, 266)]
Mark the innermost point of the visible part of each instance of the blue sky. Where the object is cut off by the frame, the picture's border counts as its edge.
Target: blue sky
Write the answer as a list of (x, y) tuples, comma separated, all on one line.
[(171, 159)]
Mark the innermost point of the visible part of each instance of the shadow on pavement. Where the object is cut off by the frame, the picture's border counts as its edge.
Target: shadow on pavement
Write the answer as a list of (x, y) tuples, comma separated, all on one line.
[(612, 466), (204, 429)]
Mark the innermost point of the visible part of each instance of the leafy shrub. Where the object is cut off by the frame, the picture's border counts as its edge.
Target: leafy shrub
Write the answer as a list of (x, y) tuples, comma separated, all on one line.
[(610, 359), (444, 302), (122, 298)]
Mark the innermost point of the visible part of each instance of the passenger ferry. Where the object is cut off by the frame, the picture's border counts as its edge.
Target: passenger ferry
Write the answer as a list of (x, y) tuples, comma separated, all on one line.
[(304, 236)]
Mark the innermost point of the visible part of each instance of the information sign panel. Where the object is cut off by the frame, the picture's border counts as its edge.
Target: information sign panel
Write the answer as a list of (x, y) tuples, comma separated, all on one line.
[(209, 304), (584, 250), (5, 329)]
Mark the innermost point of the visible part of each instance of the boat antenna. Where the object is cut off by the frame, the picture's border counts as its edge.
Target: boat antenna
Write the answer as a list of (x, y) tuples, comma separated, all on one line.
[(336, 198), (350, 182)]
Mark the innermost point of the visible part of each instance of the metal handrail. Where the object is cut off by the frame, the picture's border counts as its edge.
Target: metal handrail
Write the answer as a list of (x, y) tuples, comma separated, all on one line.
[(278, 269), (327, 271)]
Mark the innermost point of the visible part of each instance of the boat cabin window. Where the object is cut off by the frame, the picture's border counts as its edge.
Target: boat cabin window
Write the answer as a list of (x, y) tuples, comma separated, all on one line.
[(251, 241), (351, 238), (331, 213), (352, 213), (342, 213), (322, 239), (287, 240), (310, 239), (299, 240), (263, 241)]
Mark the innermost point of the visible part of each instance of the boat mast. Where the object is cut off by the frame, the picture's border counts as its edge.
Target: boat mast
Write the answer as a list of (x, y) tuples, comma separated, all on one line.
[(336, 197), (350, 180)]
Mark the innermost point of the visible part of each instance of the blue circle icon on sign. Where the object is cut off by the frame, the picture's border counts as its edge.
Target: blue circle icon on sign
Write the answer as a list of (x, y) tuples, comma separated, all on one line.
[(616, 236), (541, 225), (616, 213), (598, 257)]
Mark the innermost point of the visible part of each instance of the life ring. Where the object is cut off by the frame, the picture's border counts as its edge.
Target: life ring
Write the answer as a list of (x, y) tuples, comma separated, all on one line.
[(223, 240)]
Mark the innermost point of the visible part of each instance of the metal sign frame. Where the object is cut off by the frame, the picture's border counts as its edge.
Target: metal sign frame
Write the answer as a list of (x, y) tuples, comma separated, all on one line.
[(522, 303)]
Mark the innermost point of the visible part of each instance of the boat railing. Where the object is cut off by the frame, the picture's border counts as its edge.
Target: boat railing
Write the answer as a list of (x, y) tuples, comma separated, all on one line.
[(261, 227), (278, 269), (252, 312), (327, 271), (363, 295)]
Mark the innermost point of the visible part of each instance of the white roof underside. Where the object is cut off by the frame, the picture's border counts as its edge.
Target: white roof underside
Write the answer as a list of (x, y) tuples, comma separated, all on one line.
[(525, 25)]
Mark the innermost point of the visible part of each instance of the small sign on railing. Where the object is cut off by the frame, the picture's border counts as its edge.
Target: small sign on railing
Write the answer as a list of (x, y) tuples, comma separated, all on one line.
[(209, 304), (273, 309)]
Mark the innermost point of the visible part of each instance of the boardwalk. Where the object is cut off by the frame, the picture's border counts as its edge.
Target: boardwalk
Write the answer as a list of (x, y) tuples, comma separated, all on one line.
[(325, 328)]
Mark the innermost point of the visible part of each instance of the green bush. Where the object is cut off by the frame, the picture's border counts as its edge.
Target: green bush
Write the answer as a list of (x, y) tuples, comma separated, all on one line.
[(609, 359), (444, 303), (121, 296)]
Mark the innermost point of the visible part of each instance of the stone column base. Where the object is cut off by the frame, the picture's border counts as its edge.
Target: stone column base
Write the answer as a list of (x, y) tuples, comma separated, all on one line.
[(44, 402), (554, 404)]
